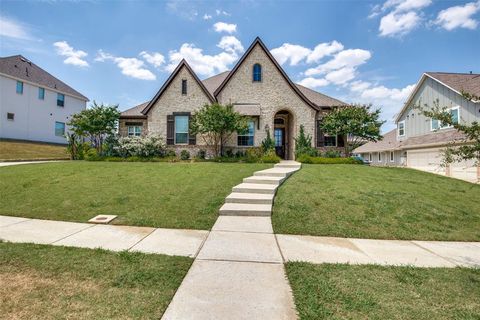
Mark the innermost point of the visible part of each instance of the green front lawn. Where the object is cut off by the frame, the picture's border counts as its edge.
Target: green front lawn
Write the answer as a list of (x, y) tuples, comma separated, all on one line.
[(331, 291), (169, 195), (373, 202), (21, 150), (48, 282)]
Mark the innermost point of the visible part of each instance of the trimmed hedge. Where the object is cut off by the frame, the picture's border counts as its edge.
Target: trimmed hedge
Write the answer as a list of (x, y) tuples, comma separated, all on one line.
[(320, 160)]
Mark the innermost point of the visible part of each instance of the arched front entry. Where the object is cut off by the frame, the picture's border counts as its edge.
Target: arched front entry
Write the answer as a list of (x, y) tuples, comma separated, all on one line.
[(283, 134)]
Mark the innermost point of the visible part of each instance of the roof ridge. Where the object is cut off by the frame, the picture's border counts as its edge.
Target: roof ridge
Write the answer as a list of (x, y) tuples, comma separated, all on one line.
[(459, 73)]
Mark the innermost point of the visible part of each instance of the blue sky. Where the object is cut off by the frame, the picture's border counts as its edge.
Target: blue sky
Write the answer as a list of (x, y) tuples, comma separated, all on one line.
[(120, 52)]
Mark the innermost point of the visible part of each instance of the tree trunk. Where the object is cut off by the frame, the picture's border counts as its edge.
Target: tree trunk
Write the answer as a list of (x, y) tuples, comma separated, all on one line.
[(347, 146)]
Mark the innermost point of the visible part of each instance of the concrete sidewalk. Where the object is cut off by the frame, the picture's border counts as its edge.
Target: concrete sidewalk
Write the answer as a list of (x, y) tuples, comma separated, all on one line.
[(238, 238), (110, 237)]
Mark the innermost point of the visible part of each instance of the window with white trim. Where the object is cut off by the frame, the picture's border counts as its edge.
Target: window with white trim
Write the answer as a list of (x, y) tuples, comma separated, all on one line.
[(60, 100), (134, 131), (379, 157), (401, 128), (247, 138), (436, 124), (41, 93), (392, 156), (181, 129), (10, 116), (370, 157)]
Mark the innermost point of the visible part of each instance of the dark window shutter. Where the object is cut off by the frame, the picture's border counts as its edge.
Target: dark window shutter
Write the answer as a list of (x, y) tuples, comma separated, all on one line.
[(170, 129), (192, 139), (340, 142), (320, 135)]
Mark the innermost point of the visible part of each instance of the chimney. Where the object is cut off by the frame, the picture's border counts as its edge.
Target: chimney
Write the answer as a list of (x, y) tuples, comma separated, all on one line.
[(471, 72)]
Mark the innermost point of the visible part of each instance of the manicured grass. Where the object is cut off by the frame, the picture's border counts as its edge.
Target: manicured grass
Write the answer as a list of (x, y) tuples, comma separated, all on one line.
[(47, 282), (330, 291), (373, 202), (14, 150), (170, 195)]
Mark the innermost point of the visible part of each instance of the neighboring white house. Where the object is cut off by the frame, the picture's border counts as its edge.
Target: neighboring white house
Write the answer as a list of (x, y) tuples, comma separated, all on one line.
[(34, 105), (418, 140)]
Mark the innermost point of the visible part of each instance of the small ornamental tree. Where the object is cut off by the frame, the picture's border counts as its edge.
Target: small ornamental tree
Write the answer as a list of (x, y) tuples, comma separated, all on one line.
[(355, 123), (469, 149), (216, 123), (95, 123), (268, 144), (303, 144)]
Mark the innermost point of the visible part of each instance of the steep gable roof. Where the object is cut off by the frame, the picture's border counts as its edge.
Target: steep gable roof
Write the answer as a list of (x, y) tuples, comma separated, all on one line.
[(460, 82), (259, 42), (318, 98), (214, 82), (457, 82), (167, 83), (21, 68)]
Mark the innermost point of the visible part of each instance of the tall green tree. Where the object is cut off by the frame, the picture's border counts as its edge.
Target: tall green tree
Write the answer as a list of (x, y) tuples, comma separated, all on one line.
[(355, 123), (95, 123), (216, 123), (469, 148)]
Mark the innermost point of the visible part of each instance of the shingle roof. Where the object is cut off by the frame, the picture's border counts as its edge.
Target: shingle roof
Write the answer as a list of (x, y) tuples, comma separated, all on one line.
[(460, 82), (389, 142), (21, 68), (135, 111), (318, 98), (214, 82), (439, 137)]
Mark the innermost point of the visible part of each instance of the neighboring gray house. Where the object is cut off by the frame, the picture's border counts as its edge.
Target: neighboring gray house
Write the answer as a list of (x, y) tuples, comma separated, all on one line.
[(257, 87), (418, 140), (34, 105)]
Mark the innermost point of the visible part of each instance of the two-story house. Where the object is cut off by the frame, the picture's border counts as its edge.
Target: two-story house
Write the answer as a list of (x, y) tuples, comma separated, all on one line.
[(257, 87), (34, 105), (418, 141)]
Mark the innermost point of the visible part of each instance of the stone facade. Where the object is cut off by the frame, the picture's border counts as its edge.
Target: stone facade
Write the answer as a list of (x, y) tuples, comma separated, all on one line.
[(172, 100), (124, 123), (273, 94), (275, 97)]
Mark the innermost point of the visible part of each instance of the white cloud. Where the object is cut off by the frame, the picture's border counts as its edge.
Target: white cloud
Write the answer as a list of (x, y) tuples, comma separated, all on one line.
[(382, 92), (293, 52), (225, 27), (350, 58), (459, 16), (230, 44), (390, 100), (131, 67), (207, 17), (13, 29), (313, 83), (398, 24), (359, 86), (341, 76), (323, 50), (74, 57), (155, 58), (403, 16), (222, 12), (207, 65), (296, 53)]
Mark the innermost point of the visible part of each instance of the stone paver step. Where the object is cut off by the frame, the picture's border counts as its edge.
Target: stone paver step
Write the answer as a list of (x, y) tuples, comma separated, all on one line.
[(245, 209), (252, 198), (264, 180), (288, 165), (255, 188), (276, 172)]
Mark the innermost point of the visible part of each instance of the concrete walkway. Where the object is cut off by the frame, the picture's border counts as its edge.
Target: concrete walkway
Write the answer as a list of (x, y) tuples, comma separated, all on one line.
[(14, 163), (239, 273)]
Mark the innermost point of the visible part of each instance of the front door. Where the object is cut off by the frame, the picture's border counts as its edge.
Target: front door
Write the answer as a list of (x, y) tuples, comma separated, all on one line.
[(279, 135)]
